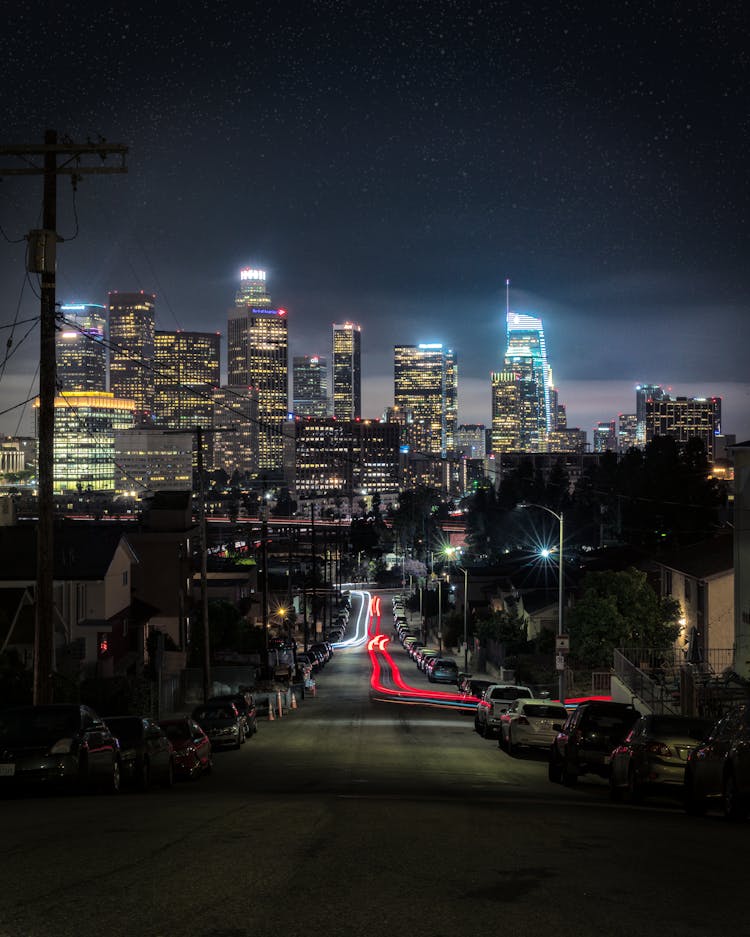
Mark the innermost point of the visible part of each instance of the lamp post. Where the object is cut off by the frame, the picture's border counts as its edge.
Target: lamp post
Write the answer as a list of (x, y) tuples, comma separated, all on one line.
[(451, 552), (546, 553)]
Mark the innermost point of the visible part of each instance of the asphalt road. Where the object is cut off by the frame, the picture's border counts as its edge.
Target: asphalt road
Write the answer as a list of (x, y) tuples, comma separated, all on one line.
[(352, 816)]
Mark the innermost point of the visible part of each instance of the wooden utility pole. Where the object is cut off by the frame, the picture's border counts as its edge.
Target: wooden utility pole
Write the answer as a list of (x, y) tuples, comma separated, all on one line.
[(42, 259), (204, 568)]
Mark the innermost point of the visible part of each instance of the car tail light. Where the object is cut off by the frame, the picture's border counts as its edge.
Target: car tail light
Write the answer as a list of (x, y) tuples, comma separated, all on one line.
[(658, 748)]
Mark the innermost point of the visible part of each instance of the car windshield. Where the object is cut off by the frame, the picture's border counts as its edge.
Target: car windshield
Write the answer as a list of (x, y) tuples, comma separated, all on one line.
[(510, 692), (210, 714), (177, 731), (672, 726), (39, 725), (545, 712), (127, 728)]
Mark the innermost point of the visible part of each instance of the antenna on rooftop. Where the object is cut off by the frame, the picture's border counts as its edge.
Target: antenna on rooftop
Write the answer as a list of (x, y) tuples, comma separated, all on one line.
[(507, 296)]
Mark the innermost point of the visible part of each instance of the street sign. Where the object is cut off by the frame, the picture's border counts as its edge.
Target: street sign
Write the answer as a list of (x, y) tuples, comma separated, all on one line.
[(562, 643), (559, 662)]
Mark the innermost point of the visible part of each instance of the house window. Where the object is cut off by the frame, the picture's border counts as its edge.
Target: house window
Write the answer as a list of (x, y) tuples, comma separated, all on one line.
[(667, 582), (688, 589), (125, 578)]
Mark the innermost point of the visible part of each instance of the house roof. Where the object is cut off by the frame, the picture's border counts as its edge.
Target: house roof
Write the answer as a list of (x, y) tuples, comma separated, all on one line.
[(81, 551), (703, 560)]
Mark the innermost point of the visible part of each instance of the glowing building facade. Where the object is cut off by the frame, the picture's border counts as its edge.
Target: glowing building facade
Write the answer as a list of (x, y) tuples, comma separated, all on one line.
[(187, 372), (257, 356), (131, 353), (526, 355), (80, 345), (347, 371), (310, 385), (149, 460), (426, 384), (84, 440), (235, 438), (685, 418)]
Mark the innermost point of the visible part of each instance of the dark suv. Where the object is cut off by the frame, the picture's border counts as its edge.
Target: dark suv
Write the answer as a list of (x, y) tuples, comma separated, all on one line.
[(585, 743), (718, 769)]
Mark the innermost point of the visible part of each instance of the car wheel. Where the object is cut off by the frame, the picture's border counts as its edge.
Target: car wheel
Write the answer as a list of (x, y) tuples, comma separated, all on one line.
[(735, 805), (476, 723), (569, 776), (240, 740), (169, 779), (485, 730), (635, 788), (694, 806), (553, 768), (144, 778), (209, 766), (511, 748)]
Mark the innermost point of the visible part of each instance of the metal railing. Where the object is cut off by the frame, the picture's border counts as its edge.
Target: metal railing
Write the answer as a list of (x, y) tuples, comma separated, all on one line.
[(658, 685)]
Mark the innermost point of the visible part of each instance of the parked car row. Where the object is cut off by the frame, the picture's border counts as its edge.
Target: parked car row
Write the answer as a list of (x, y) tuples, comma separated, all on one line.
[(429, 660), (70, 746)]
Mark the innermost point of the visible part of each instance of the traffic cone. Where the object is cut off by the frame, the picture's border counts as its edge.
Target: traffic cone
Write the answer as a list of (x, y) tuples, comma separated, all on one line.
[(278, 700), (271, 716), (294, 701)]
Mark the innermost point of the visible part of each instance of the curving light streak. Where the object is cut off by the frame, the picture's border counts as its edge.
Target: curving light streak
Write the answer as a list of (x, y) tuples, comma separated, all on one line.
[(360, 634)]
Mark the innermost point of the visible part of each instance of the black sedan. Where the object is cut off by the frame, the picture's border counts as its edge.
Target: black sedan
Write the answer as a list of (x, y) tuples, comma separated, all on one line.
[(146, 754), (57, 744)]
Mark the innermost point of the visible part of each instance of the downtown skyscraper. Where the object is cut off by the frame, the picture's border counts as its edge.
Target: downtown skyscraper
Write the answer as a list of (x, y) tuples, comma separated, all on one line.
[(425, 383), (258, 357), (187, 372), (310, 385), (522, 396), (80, 347), (347, 371), (131, 355)]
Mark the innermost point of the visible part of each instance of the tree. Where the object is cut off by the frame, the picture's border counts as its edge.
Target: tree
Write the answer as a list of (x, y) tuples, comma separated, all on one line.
[(619, 609)]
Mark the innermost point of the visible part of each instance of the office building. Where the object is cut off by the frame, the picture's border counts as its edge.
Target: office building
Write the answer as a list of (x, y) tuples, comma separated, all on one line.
[(80, 347), (570, 439), (149, 460), (347, 371), (515, 412), (627, 432), (644, 393), (426, 383), (187, 372), (131, 352), (605, 436), (684, 418), (310, 386), (235, 436), (257, 356), (348, 458), (526, 355), (471, 440), (84, 440)]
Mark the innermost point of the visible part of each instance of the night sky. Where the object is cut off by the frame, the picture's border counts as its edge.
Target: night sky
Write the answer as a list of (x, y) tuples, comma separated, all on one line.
[(391, 164)]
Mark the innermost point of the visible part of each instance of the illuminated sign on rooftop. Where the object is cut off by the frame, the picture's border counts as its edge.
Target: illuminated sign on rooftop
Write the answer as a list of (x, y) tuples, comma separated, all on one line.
[(249, 273), (431, 345)]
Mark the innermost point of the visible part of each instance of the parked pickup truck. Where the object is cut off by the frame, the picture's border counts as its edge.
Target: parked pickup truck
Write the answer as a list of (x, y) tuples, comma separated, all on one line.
[(495, 701)]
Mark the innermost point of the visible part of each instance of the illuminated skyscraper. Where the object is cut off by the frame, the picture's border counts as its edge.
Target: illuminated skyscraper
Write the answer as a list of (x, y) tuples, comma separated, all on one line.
[(257, 353), (347, 371), (515, 411), (187, 371), (131, 353), (84, 446), (684, 418), (81, 348), (644, 393), (426, 383), (526, 354), (235, 437), (605, 436), (627, 432), (310, 385)]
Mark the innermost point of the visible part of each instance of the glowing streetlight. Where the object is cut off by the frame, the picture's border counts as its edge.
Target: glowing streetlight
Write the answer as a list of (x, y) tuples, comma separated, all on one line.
[(451, 552), (546, 553)]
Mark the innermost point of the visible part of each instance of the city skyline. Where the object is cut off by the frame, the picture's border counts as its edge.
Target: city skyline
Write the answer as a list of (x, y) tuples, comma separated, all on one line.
[(395, 172)]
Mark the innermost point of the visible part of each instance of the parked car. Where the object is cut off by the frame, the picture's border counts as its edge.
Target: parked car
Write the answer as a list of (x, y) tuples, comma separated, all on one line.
[(718, 768), (530, 722), (221, 722), (57, 744), (323, 649), (469, 686), (589, 735), (654, 754), (191, 745), (426, 655), (495, 701), (245, 703), (146, 754), (443, 670)]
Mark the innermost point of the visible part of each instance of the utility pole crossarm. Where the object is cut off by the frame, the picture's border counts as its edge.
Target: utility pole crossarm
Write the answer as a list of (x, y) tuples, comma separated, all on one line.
[(74, 150)]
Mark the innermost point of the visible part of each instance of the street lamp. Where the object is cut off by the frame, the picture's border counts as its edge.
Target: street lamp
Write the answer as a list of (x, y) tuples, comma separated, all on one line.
[(451, 552), (547, 553)]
